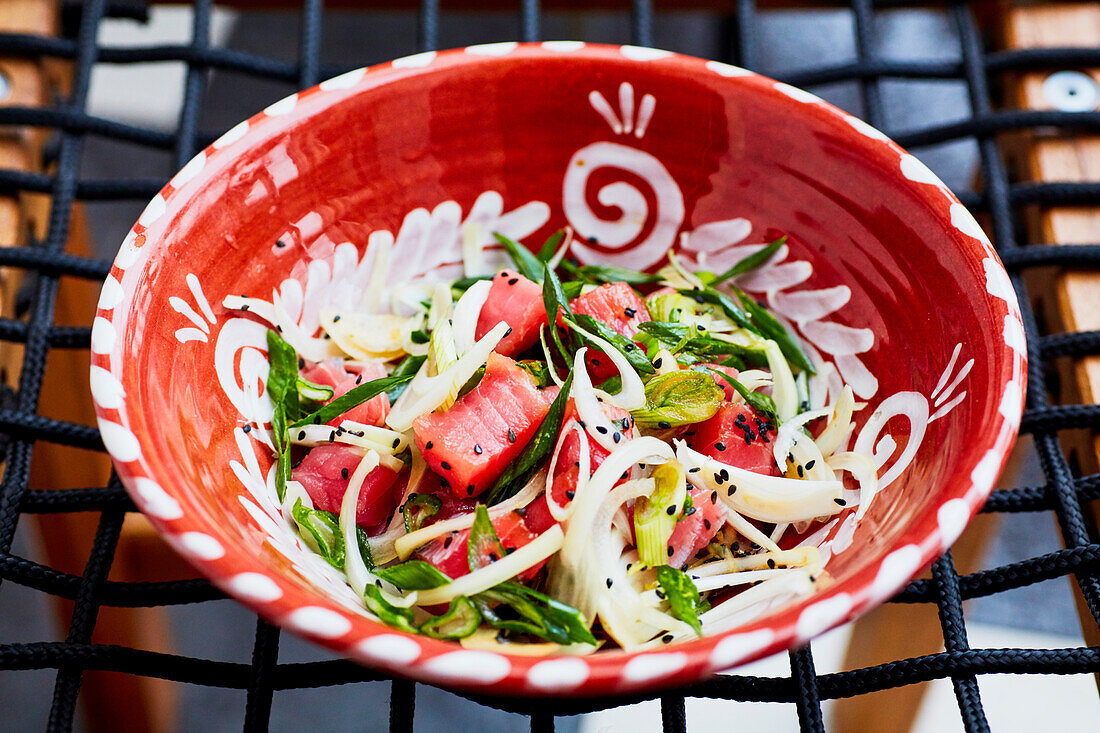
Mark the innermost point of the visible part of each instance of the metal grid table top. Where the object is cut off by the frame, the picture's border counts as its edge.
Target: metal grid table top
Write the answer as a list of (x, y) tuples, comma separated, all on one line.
[(999, 198)]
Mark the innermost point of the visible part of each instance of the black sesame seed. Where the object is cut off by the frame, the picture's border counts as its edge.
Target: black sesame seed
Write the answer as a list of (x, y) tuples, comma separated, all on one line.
[(735, 546), (617, 436), (244, 307), (841, 502), (664, 425), (508, 332), (690, 511), (336, 319), (629, 312), (477, 449), (714, 497), (301, 363), (595, 362), (359, 379), (470, 490), (694, 469), (581, 423), (520, 511), (396, 442), (513, 281), (625, 474), (247, 428), (280, 243), (801, 472), (327, 337), (301, 435), (492, 557), (671, 552), (718, 478), (667, 638), (570, 494), (810, 463), (671, 511), (344, 473), (445, 466), (428, 445), (720, 446), (601, 430), (629, 565), (699, 328), (771, 563), (706, 523), (610, 582), (657, 363), (447, 542), (628, 348), (511, 435), (661, 593), (332, 436)]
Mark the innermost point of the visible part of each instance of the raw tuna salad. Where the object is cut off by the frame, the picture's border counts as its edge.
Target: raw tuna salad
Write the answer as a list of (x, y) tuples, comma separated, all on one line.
[(561, 456)]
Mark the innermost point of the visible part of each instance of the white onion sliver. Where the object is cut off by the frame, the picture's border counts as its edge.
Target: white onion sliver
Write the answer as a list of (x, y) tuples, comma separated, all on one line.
[(588, 405), (631, 396), (356, 569), (863, 469), (425, 393), (261, 308), (534, 552), (557, 511), (466, 313)]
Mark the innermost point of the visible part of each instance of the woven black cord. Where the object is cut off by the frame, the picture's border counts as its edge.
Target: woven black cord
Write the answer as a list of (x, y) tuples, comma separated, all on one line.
[(641, 22), (403, 706), (1000, 198), (428, 29), (673, 714), (530, 20), (85, 611), (265, 655), (807, 700), (955, 640)]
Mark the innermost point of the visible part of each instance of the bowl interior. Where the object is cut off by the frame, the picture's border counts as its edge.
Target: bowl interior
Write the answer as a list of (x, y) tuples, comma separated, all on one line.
[(885, 277)]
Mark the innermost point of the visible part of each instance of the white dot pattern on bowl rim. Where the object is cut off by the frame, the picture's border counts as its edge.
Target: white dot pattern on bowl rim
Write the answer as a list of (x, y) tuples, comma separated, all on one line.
[(486, 667)]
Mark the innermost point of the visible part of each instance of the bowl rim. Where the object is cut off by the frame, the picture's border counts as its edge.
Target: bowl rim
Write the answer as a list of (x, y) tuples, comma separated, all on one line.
[(323, 621)]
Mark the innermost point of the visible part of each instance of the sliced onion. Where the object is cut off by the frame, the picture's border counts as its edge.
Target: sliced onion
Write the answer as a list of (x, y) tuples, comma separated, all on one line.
[(571, 584), (840, 422), (405, 545), (314, 435), (559, 512), (784, 391), (787, 433), (795, 581), (863, 468), (466, 313), (566, 242), (534, 552), (631, 396), (473, 251), (442, 305), (354, 566), (382, 546), (425, 393), (784, 559), (549, 359), (749, 531), (764, 498)]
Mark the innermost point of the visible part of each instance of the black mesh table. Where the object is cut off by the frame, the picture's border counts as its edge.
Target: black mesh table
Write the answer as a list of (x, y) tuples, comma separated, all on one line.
[(41, 262)]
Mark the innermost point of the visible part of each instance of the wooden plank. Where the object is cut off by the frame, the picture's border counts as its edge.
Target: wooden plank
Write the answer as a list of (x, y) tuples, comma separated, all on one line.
[(1044, 156)]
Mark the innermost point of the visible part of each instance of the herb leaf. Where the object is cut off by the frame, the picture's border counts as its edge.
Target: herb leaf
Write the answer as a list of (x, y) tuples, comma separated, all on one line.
[(613, 274), (732, 310), (758, 401), (683, 597), (352, 398), (484, 545), (751, 262), (555, 300), (539, 614), (520, 471), (767, 325), (687, 338), (526, 263), (550, 246), (622, 344), (410, 365), (413, 575)]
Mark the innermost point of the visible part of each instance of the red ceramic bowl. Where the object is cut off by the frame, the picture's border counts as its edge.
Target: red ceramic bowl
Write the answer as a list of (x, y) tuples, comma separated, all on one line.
[(886, 277)]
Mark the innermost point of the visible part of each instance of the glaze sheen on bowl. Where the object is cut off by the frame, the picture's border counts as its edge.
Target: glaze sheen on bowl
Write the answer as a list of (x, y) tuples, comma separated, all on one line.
[(886, 275)]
